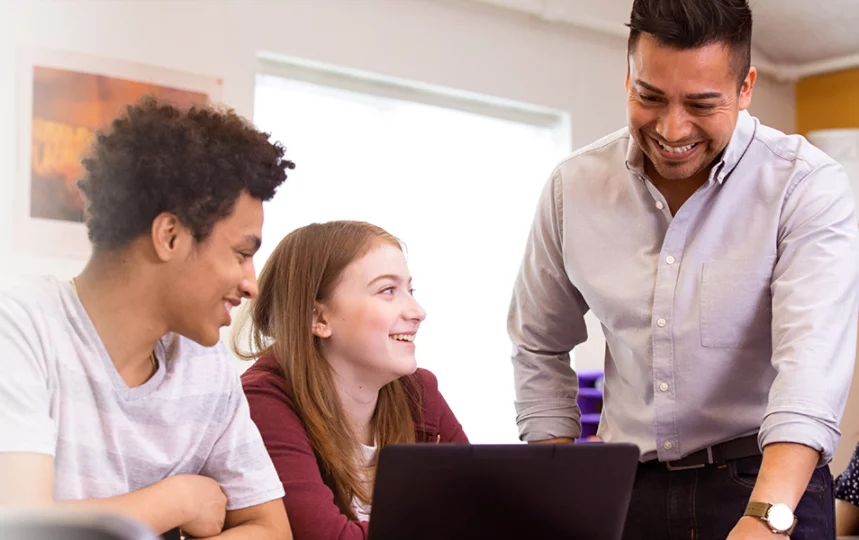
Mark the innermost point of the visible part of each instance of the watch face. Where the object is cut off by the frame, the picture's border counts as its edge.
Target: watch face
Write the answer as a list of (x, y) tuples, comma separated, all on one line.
[(780, 517)]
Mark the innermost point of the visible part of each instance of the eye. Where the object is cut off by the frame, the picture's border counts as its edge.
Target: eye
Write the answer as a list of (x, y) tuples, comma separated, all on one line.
[(702, 107), (388, 290), (650, 99), (244, 256), (412, 292)]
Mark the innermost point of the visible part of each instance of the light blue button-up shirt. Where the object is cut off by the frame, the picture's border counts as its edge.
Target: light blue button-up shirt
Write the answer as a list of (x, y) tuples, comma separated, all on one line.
[(736, 315)]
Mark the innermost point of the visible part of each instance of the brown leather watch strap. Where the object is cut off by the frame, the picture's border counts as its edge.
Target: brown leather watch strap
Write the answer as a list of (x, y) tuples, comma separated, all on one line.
[(760, 511)]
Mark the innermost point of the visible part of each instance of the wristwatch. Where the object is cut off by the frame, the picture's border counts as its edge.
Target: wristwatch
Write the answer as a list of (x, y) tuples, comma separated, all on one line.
[(778, 517)]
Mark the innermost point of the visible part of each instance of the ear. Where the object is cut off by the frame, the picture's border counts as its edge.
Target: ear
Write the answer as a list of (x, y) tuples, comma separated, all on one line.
[(169, 236), (745, 98), (320, 326)]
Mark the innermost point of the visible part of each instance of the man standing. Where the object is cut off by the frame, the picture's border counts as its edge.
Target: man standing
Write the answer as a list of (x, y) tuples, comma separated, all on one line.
[(721, 258), (116, 393)]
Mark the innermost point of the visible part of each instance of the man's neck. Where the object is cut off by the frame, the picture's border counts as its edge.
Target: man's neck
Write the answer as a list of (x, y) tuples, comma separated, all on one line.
[(118, 299), (676, 192)]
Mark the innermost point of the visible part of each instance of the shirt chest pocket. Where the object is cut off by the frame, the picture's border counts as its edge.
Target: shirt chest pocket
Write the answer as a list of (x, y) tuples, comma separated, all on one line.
[(736, 303)]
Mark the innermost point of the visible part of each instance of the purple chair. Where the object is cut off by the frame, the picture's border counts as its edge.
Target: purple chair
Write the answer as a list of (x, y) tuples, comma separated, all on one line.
[(590, 401)]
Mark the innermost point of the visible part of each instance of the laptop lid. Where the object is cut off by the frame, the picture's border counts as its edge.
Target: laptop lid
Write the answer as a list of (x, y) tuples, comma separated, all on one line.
[(462, 491)]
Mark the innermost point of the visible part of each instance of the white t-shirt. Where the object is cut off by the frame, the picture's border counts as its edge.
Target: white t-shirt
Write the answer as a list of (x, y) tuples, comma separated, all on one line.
[(362, 511), (61, 395)]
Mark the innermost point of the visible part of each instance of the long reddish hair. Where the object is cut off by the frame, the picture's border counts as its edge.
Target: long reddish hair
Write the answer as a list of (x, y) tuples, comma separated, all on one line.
[(303, 270)]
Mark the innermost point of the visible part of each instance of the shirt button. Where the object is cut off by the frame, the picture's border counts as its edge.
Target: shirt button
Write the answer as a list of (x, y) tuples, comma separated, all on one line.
[(670, 260), (663, 387), (667, 445), (661, 322), (659, 205)]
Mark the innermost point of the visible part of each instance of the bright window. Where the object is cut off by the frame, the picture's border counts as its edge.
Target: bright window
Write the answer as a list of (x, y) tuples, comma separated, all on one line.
[(456, 178)]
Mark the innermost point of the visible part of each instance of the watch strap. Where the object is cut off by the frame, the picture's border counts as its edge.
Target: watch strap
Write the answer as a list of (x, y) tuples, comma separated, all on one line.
[(760, 510)]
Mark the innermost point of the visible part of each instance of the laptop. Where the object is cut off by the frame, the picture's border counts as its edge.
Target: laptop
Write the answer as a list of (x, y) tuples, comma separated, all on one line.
[(534, 491)]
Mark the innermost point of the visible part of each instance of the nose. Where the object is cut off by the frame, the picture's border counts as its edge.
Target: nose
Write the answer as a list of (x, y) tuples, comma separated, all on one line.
[(249, 287), (674, 126), (414, 312)]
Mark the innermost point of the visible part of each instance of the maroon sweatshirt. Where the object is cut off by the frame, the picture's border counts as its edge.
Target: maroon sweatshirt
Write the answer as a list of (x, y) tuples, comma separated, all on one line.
[(309, 501)]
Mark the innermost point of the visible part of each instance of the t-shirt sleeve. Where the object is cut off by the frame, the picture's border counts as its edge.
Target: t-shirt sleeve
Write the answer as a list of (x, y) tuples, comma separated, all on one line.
[(239, 461), (25, 418)]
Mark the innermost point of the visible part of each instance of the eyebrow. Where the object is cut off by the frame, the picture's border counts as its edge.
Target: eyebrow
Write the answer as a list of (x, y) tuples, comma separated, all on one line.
[(393, 277), (702, 95), (252, 241)]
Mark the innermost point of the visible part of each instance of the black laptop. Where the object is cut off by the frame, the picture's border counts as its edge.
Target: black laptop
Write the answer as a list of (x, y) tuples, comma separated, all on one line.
[(533, 491)]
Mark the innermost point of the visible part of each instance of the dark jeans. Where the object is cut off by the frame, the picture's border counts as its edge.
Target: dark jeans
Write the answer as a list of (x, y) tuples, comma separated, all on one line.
[(706, 503)]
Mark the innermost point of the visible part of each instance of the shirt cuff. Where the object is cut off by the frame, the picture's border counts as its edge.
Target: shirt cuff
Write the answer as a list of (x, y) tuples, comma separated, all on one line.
[(790, 427), (549, 420)]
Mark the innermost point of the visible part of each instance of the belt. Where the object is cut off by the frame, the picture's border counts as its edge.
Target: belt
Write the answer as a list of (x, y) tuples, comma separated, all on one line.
[(718, 454)]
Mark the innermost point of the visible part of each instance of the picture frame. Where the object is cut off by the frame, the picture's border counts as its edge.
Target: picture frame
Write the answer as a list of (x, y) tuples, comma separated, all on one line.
[(63, 99)]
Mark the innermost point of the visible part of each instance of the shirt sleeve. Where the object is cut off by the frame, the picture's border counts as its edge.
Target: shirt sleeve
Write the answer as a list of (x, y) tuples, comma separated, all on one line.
[(309, 501), (239, 461), (545, 322), (25, 421), (815, 300)]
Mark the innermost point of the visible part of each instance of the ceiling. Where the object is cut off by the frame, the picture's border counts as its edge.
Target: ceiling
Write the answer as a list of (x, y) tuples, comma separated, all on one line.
[(791, 39)]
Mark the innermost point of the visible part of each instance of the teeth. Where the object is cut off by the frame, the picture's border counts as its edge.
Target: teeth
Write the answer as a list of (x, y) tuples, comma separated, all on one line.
[(403, 337), (677, 149)]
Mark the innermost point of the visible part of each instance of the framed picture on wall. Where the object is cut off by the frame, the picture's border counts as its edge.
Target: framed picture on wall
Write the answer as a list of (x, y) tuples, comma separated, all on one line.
[(64, 99)]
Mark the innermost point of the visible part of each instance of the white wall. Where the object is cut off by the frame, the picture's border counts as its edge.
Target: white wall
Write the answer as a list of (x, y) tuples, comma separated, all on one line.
[(454, 44), (775, 103)]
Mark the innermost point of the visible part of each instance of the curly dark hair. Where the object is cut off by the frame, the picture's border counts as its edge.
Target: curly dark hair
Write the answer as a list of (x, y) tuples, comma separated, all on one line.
[(193, 163)]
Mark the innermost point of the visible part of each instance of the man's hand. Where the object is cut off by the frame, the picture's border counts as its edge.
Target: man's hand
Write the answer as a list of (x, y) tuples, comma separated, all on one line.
[(752, 528), (207, 504), (556, 440)]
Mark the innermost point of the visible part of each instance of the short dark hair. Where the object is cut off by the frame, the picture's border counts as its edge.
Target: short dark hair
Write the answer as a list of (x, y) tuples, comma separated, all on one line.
[(689, 24), (192, 162)]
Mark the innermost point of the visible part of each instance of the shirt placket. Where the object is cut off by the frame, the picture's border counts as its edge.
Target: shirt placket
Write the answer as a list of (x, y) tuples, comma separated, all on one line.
[(668, 444)]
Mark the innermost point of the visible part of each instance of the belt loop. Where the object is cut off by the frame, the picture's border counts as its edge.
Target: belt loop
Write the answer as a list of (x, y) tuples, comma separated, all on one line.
[(710, 459), (718, 455)]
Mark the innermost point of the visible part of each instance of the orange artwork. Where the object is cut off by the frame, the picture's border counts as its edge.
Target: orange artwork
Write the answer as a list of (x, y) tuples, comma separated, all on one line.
[(68, 108)]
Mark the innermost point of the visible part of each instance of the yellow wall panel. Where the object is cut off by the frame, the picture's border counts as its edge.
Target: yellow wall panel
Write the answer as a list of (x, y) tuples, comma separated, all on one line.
[(827, 101)]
